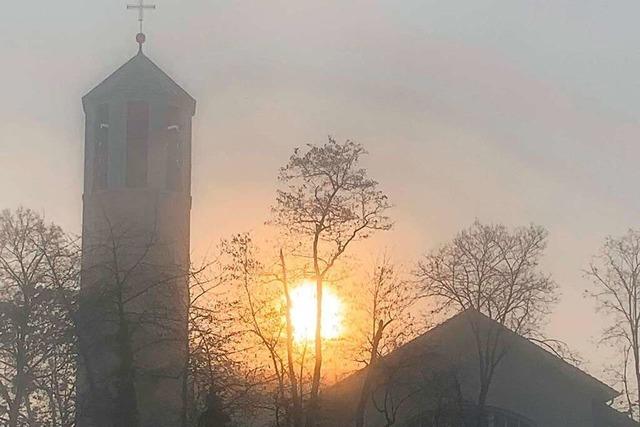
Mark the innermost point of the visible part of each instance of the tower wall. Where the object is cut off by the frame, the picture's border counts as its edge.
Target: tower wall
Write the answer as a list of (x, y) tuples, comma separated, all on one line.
[(136, 216)]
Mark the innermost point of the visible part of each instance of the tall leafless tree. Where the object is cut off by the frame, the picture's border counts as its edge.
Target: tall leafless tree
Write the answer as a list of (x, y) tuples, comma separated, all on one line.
[(260, 313), (283, 273), (494, 270), (615, 273), (243, 307), (219, 381), (328, 201)]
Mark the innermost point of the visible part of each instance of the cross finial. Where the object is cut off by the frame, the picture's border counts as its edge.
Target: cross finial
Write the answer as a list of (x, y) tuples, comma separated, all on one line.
[(141, 7)]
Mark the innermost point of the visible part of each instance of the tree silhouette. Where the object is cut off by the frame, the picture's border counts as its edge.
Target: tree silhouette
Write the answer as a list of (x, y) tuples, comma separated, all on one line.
[(388, 302), (615, 273), (495, 271), (327, 201), (39, 268)]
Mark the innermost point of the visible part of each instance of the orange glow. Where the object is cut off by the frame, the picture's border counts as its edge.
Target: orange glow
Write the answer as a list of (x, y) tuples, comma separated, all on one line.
[(303, 312)]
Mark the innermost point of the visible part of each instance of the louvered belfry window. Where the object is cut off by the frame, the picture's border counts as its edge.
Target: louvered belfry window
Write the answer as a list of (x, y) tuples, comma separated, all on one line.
[(137, 143)]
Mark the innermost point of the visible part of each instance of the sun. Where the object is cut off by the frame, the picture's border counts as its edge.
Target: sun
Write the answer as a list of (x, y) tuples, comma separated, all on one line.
[(303, 312)]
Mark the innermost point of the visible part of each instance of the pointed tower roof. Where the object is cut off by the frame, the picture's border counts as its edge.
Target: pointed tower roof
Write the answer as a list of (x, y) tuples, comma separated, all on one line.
[(139, 77)]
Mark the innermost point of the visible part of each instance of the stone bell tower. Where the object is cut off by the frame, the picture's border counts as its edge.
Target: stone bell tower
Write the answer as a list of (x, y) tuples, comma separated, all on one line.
[(136, 215)]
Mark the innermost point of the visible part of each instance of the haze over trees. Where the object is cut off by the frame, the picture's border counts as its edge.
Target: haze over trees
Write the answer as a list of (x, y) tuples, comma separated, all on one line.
[(389, 299), (39, 268), (137, 303), (219, 385), (247, 360)]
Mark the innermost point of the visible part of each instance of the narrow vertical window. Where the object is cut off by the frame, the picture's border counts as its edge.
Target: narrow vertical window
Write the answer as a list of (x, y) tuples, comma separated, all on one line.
[(101, 154), (137, 143), (174, 150)]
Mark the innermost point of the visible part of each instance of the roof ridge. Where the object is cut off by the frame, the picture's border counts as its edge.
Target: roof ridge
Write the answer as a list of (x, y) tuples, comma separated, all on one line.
[(530, 344), (141, 63), (539, 348), (110, 76)]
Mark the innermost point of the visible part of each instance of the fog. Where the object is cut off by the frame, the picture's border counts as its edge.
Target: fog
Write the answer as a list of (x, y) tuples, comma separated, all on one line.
[(503, 111)]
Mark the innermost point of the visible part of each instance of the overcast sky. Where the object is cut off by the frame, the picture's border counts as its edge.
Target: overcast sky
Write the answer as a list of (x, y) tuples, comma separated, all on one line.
[(506, 111)]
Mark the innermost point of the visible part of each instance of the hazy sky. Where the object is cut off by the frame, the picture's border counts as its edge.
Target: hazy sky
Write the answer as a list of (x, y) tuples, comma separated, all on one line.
[(505, 111)]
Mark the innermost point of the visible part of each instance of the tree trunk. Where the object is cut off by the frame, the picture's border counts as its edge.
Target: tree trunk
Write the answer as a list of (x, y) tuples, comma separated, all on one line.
[(636, 366), (14, 409), (185, 389), (317, 368), (126, 406), (489, 359), (297, 404), (482, 403), (366, 386)]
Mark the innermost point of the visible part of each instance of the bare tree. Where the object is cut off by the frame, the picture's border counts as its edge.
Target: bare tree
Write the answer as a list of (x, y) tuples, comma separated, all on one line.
[(219, 382), (261, 315), (495, 271), (328, 201), (390, 299), (285, 274), (615, 273), (38, 266), (296, 392), (246, 309), (61, 255)]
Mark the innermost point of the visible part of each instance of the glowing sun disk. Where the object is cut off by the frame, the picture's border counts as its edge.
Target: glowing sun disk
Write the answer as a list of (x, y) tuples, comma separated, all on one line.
[(303, 312)]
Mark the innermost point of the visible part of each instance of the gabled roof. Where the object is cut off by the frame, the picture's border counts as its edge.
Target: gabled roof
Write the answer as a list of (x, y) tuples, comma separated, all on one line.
[(450, 330), (544, 356), (137, 76)]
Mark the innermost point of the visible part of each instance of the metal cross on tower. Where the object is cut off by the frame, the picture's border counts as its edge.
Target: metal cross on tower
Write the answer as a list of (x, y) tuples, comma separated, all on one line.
[(141, 7)]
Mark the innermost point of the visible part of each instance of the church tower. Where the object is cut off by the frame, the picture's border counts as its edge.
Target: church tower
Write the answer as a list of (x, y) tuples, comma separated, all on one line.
[(136, 215)]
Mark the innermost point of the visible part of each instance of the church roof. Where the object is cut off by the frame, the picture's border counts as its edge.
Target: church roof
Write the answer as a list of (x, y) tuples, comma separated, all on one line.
[(452, 329), (541, 355), (139, 76)]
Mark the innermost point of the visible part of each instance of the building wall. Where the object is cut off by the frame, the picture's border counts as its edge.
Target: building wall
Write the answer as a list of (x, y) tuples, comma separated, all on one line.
[(540, 393)]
